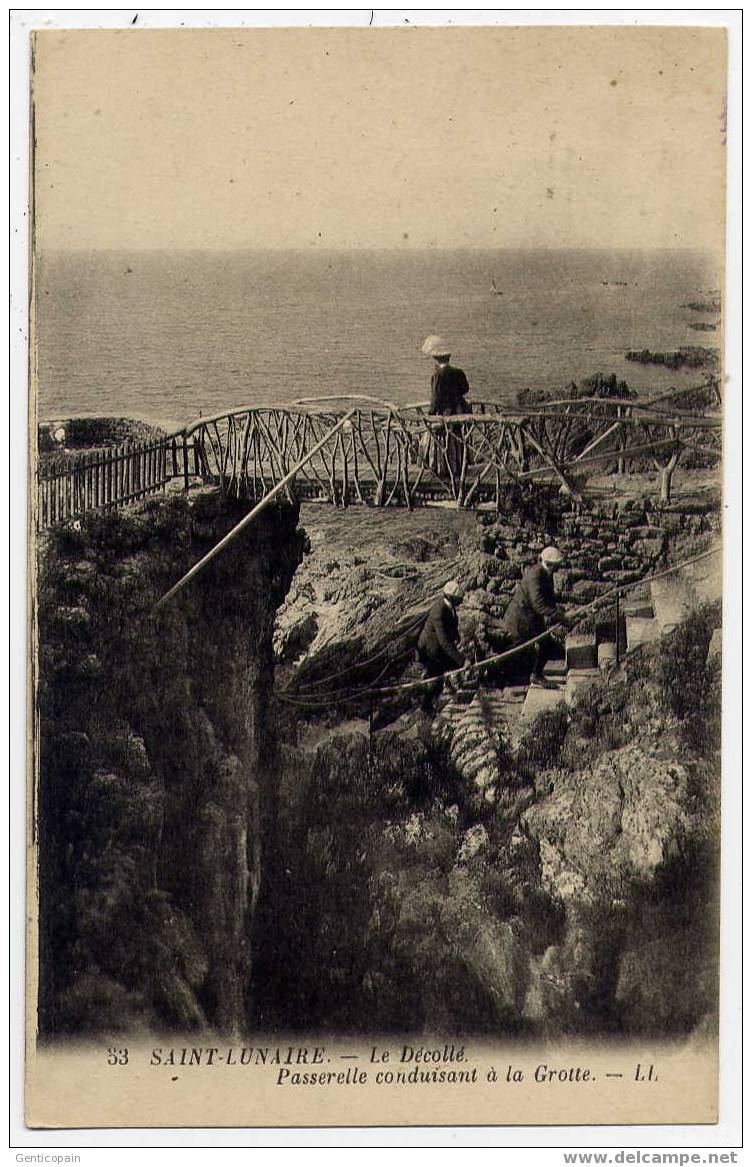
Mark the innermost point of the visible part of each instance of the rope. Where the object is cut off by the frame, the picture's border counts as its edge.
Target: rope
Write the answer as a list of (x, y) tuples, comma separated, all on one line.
[(408, 631), (328, 699)]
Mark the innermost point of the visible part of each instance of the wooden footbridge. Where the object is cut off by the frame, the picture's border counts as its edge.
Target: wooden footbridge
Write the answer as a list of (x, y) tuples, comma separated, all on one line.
[(362, 451)]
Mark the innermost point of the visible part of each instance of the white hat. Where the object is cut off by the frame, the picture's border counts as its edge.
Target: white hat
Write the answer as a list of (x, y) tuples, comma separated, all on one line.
[(552, 555), (436, 346), (454, 590)]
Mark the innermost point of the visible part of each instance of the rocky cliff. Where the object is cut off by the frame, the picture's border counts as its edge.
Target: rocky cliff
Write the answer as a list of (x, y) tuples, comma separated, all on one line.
[(479, 874), (580, 899), (466, 875), (154, 763)]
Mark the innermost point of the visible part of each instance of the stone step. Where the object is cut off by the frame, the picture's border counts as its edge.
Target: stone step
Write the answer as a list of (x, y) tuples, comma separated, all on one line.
[(705, 577), (464, 696), (581, 650), (643, 609), (495, 701), (715, 648), (641, 631), (577, 680), (491, 696), (554, 669), (607, 654), (541, 701), (673, 599)]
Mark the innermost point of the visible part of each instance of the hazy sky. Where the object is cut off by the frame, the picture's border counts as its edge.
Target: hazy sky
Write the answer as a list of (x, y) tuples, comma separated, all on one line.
[(500, 137)]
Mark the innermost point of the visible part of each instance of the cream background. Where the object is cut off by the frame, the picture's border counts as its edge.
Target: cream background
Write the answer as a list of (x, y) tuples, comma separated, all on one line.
[(74, 1087), (411, 137)]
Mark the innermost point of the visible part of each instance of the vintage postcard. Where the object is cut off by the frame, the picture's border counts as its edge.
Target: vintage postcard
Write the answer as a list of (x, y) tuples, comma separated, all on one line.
[(377, 397)]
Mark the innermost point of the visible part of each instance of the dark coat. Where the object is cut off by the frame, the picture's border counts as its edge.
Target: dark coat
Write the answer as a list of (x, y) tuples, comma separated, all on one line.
[(533, 605), (437, 643), (449, 388)]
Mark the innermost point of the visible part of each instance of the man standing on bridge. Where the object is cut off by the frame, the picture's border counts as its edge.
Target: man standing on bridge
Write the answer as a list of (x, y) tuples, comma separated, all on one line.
[(533, 608), (449, 390), (438, 640)]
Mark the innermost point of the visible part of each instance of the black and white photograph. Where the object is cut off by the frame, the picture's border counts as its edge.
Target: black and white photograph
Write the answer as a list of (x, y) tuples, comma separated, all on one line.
[(377, 391)]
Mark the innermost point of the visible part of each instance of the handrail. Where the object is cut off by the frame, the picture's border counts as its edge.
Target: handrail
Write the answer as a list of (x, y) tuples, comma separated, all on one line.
[(503, 412), (472, 669), (237, 411), (538, 409), (382, 401)]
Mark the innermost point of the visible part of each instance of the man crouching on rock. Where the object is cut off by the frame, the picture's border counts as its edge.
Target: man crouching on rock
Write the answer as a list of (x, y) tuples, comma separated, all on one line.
[(438, 640), (533, 608)]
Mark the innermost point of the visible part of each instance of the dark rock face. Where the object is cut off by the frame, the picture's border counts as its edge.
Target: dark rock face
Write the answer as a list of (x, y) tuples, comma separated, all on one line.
[(154, 764), (450, 877), (558, 881), (388, 914)]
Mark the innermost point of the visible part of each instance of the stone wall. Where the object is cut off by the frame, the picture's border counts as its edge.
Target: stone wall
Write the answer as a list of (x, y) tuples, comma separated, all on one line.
[(605, 544)]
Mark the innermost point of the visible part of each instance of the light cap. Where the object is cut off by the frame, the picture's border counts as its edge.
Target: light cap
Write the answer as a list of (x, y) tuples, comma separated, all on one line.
[(552, 556), (454, 590), (436, 346)]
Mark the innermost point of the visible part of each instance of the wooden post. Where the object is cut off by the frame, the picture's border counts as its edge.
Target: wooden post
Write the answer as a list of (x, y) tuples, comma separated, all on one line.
[(345, 475), (666, 472), (565, 481), (618, 618), (197, 567), (370, 729)]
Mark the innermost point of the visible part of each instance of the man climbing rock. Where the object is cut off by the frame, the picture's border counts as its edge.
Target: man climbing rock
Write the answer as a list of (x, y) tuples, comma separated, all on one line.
[(532, 609), (438, 640)]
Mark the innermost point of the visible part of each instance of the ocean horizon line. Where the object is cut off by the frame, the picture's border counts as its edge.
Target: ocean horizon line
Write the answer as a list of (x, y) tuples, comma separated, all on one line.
[(348, 249)]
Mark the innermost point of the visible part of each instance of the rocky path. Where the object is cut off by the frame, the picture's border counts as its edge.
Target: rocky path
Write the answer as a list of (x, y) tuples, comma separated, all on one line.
[(477, 726)]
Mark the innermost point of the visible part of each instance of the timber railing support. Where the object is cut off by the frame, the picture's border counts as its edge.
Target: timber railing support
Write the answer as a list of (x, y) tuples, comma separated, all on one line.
[(228, 538), (387, 456)]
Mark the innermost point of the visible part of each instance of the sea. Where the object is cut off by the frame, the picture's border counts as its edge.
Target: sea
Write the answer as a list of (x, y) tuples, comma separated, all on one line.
[(169, 336)]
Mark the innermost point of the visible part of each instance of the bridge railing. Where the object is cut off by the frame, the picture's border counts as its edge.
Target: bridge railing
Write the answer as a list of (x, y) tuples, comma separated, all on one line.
[(381, 455), (72, 485), (384, 456)]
